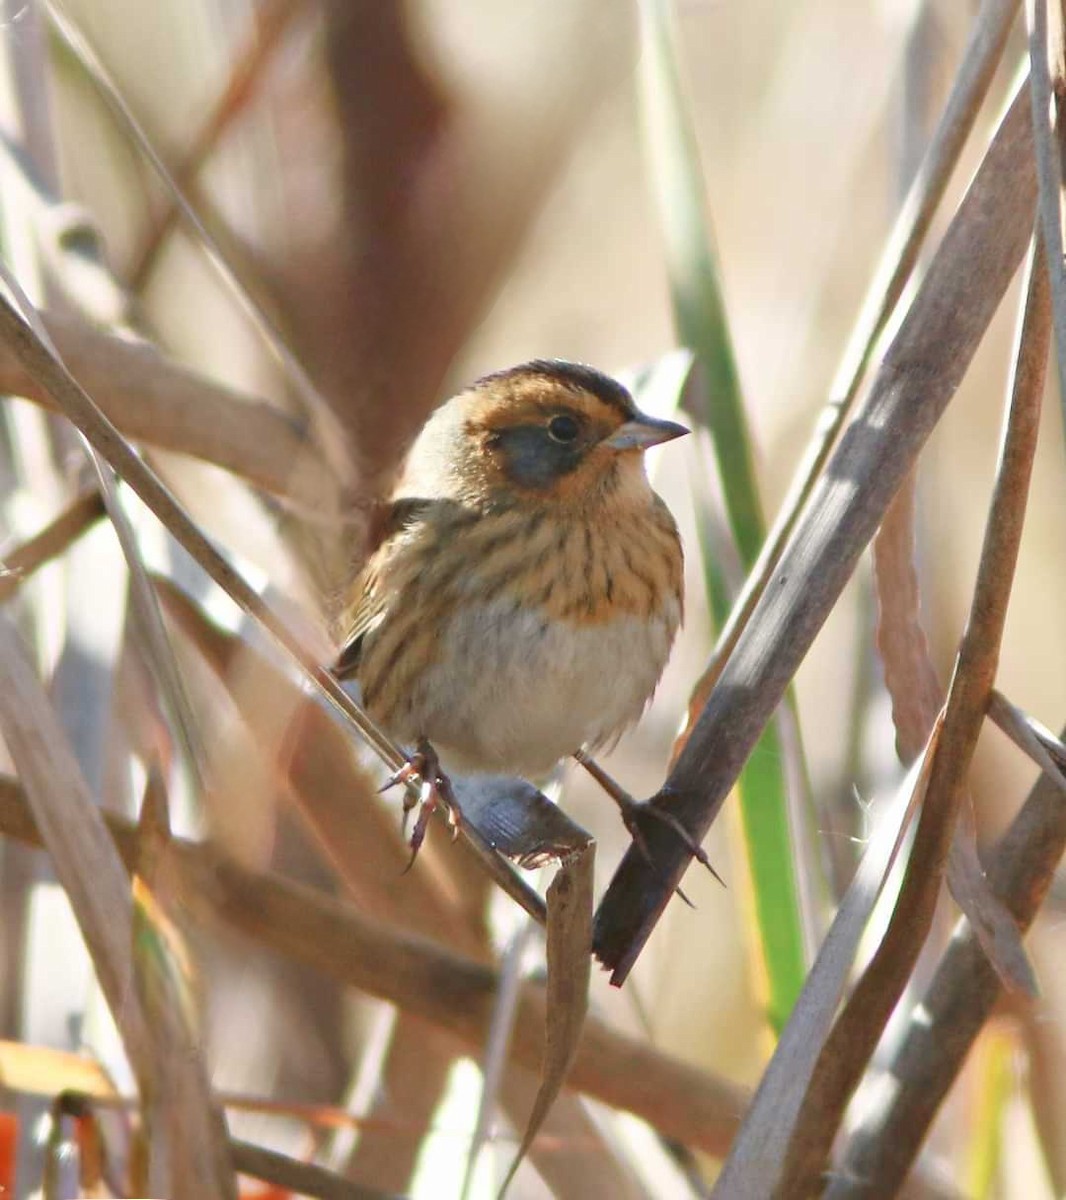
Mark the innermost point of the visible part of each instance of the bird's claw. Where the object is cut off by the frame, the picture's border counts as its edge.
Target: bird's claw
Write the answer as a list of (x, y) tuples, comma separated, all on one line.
[(435, 792), (634, 810), (411, 769)]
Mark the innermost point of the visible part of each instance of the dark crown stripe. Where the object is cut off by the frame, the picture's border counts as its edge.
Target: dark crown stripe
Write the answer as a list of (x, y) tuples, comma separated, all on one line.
[(576, 376)]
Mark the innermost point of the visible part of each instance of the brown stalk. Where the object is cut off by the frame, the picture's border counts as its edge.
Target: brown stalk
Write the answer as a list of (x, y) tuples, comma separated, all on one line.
[(1047, 84), (1041, 1034), (44, 1072), (74, 834), (186, 1130), (861, 1023), (448, 991), (917, 378), (910, 677), (1032, 738), (299, 1178), (984, 48), (56, 538), (917, 698), (960, 998), (153, 399), (86, 1087), (93, 877)]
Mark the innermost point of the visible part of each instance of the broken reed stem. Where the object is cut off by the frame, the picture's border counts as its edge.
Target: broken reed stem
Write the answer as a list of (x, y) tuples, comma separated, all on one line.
[(917, 378)]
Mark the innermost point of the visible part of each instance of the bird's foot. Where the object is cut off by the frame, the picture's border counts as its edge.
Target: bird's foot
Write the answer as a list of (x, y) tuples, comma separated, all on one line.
[(435, 792), (635, 811)]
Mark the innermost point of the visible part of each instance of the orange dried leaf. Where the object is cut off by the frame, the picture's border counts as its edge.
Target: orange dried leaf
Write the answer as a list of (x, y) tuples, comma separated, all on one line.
[(42, 1071)]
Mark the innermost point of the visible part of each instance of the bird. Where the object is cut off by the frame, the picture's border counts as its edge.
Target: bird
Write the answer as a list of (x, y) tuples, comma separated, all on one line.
[(525, 583)]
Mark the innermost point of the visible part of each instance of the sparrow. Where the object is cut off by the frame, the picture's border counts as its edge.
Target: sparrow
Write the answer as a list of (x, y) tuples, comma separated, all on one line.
[(526, 586)]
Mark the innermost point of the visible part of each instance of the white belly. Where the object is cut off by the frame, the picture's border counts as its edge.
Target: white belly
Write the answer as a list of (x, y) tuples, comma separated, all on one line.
[(515, 694)]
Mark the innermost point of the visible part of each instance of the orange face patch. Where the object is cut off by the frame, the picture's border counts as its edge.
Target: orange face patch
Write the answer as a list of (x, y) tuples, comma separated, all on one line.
[(511, 445)]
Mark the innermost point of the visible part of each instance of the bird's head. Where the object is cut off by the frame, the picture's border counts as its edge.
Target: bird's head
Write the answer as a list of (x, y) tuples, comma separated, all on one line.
[(546, 430)]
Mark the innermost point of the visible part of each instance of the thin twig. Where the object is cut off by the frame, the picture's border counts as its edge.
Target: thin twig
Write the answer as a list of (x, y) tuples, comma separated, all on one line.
[(270, 23), (156, 648), (917, 698), (1046, 94), (303, 1178), (73, 1072), (1032, 738), (17, 565)]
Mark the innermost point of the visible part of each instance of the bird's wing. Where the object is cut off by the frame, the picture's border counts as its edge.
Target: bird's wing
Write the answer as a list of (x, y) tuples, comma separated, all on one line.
[(368, 608)]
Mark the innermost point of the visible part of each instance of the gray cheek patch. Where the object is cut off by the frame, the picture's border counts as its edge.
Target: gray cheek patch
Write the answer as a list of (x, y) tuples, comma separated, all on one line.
[(532, 459)]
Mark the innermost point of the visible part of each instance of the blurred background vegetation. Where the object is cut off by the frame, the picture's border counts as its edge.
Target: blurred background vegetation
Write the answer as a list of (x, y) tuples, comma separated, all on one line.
[(412, 194)]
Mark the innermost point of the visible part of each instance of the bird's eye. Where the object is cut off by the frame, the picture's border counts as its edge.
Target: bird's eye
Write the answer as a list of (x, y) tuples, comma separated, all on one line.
[(563, 428)]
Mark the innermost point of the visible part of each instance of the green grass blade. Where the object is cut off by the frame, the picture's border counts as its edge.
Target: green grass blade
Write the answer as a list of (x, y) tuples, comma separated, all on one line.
[(702, 326)]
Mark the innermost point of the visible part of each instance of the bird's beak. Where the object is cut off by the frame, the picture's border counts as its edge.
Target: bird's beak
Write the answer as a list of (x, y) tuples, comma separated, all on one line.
[(643, 431)]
